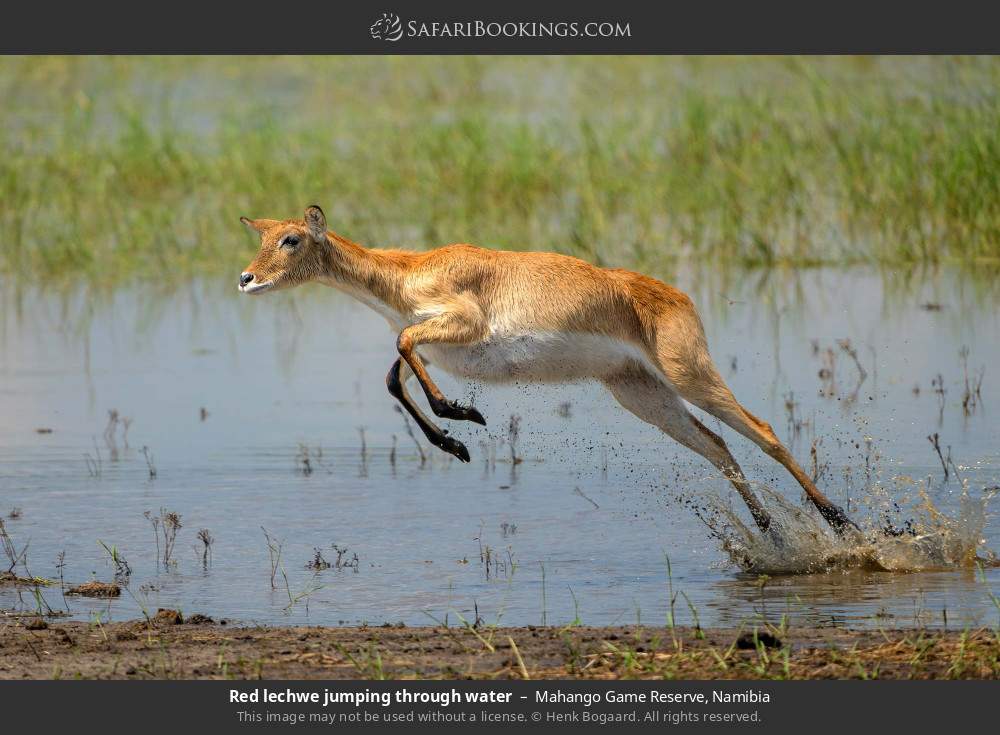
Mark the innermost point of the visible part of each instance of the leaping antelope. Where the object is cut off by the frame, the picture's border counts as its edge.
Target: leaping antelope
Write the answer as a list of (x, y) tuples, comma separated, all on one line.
[(539, 317)]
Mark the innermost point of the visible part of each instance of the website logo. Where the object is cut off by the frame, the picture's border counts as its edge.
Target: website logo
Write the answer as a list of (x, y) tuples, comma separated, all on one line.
[(387, 28)]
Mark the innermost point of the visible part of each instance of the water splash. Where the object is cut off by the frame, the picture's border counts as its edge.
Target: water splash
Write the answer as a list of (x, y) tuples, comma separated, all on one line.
[(801, 542)]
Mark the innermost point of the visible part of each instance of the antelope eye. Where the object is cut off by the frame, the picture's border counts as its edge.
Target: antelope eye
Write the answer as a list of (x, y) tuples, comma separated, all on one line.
[(291, 241)]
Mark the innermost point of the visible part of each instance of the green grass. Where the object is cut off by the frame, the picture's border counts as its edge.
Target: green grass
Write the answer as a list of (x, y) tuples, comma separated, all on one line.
[(119, 168)]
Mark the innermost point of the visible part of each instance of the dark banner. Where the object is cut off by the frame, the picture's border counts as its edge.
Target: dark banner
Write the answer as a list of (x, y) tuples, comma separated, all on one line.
[(451, 27), (772, 707)]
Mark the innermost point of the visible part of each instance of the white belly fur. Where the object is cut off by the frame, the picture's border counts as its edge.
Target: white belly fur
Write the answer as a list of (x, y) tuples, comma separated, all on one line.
[(549, 357), (541, 357)]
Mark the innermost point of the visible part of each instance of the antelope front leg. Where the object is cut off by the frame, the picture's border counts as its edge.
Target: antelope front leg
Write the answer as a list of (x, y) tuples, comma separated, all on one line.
[(449, 328), (395, 381)]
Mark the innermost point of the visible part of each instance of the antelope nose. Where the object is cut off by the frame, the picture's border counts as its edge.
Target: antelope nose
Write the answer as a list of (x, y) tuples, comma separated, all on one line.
[(245, 278)]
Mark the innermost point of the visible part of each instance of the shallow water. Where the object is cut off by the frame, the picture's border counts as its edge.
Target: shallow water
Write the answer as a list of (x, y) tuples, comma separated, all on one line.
[(581, 527)]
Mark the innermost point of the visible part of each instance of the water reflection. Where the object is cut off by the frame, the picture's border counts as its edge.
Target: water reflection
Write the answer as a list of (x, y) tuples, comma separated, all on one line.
[(849, 599)]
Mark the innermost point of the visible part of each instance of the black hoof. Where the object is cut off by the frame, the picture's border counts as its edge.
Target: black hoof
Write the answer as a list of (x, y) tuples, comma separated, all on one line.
[(458, 412), (837, 518), (453, 446)]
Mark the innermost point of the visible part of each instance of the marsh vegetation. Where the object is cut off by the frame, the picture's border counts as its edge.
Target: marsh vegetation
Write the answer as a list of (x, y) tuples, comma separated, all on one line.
[(118, 167)]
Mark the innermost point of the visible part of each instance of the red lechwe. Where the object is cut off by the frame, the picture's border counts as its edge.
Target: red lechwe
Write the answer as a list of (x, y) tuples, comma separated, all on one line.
[(530, 317)]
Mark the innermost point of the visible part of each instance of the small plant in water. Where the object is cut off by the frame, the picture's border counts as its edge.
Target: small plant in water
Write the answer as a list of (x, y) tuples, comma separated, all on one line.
[(318, 563), (14, 557), (205, 536), (343, 561), (60, 567), (170, 524), (122, 569)]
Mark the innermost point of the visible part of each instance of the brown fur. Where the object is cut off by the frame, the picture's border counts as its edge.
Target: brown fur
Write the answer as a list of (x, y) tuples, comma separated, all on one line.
[(455, 295)]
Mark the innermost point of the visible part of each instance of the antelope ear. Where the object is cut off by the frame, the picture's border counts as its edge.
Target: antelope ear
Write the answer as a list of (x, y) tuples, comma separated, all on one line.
[(316, 222), (257, 225)]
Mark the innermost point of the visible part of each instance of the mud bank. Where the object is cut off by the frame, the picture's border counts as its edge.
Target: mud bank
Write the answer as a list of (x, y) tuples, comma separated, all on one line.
[(164, 648)]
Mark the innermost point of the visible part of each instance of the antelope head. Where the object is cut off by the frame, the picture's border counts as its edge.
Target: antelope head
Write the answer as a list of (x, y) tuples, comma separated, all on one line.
[(291, 252)]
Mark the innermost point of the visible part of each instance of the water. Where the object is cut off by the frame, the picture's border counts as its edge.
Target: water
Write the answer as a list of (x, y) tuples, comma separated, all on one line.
[(581, 527)]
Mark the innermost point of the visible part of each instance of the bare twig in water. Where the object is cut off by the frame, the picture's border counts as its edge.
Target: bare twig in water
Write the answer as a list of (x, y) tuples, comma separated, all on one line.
[(934, 440), (827, 373), (845, 346), (954, 467), (111, 429), (409, 433), (972, 395), (274, 547), (343, 561), (497, 563), (544, 606), (590, 500), (61, 566), (150, 464), (791, 410), (154, 521), (302, 460), (111, 432), (318, 563), (94, 464), (871, 461), (364, 444), (937, 383), (513, 431), (817, 468), (363, 471)]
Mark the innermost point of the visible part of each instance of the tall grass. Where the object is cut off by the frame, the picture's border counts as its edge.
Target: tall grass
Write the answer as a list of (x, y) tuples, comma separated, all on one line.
[(114, 168)]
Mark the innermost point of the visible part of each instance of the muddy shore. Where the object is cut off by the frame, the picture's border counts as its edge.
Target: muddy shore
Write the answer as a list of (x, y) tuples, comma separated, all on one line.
[(200, 648)]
